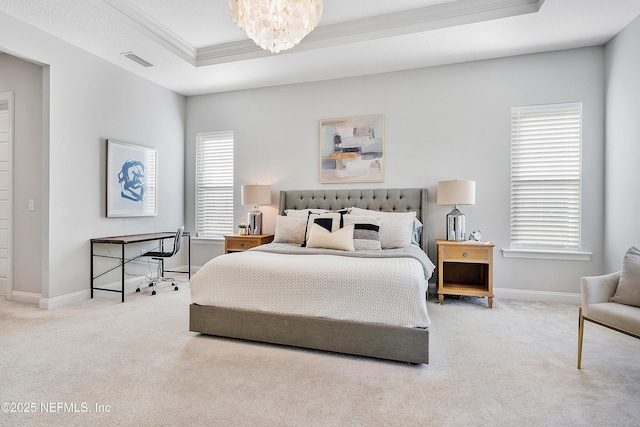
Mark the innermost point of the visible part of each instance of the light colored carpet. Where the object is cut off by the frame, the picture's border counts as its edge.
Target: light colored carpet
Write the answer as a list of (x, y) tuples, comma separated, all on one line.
[(514, 365)]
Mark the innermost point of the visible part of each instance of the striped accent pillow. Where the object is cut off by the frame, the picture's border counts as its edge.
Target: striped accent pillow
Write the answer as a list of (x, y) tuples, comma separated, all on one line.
[(366, 231), (396, 228)]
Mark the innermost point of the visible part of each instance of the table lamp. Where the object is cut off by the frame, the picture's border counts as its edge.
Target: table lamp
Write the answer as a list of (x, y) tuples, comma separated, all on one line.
[(255, 195), (456, 193)]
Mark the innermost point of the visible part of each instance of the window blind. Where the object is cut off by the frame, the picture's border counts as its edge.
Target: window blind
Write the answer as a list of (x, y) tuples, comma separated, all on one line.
[(214, 184), (150, 198), (545, 176)]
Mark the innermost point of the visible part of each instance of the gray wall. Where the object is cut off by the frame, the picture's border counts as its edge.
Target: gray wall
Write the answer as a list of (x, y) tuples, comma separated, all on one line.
[(622, 228), (441, 123), (25, 80), (449, 122), (85, 101)]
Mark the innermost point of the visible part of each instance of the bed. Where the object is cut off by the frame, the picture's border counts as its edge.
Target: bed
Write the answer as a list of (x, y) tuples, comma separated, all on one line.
[(364, 302)]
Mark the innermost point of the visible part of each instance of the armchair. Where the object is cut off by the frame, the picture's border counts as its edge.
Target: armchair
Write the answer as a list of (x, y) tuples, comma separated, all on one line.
[(596, 292)]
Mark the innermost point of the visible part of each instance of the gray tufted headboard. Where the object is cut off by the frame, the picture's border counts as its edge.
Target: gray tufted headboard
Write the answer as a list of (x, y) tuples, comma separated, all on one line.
[(381, 199)]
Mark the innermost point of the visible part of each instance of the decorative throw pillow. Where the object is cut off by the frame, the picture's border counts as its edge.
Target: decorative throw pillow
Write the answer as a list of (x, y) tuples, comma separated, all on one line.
[(290, 229), (366, 231), (330, 221), (628, 290), (396, 228), (341, 239)]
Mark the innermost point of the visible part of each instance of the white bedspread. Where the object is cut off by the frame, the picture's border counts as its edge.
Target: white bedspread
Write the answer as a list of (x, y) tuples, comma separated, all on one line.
[(389, 291)]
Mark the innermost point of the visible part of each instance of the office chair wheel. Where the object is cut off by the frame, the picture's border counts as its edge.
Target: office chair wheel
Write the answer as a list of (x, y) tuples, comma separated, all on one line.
[(138, 290), (175, 289), (153, 292)]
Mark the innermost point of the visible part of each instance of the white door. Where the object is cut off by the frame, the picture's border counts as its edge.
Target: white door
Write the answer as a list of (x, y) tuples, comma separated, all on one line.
[(6, 121)]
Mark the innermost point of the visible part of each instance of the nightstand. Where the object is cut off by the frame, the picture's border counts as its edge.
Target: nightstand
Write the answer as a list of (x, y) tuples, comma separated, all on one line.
[(239, 243), (465, 268)]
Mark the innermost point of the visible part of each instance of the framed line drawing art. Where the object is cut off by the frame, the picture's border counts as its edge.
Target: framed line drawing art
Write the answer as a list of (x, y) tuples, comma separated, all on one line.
[(131, 180), (352, 149)]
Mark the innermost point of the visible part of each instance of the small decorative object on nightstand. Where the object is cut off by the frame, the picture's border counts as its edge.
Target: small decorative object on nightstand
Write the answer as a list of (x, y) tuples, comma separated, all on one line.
[(476, 235), (237, 243), (465, 268), (243, 229)]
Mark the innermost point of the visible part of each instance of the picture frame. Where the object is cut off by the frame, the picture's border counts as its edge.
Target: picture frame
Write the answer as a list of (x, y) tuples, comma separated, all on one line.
[(131, 180), (352, 149)]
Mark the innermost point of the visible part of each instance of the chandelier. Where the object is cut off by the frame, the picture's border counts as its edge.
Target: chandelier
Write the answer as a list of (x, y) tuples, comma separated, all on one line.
[(276, 25)]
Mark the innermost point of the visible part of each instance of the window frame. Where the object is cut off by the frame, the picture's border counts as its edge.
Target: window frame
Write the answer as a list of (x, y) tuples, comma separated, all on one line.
[(203, 210), (555, 135)]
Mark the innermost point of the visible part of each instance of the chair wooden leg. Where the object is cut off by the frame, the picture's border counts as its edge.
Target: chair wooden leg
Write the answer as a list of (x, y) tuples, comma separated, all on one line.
[(580, 334)]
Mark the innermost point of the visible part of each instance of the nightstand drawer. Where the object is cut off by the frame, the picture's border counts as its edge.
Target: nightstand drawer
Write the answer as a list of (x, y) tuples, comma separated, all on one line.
[(241, 244), (237, 243), (466, 253)]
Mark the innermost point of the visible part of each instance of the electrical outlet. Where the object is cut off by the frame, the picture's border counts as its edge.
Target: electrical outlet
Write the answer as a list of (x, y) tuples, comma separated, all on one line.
[(32, 205)]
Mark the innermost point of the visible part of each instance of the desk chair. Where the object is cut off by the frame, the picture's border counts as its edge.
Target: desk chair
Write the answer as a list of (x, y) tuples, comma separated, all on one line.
[(160, 257)]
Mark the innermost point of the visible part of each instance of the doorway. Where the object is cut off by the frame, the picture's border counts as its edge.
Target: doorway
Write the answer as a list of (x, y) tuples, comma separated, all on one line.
[(6, 197)]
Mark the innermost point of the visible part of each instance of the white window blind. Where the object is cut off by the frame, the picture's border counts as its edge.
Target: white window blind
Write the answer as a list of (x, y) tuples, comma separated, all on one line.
[(545, 177), (214, 184)]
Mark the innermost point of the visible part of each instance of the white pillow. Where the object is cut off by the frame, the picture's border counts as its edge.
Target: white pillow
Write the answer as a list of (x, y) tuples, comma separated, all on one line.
[(366, 232), (341, 239), (290, 229), (396, 228)]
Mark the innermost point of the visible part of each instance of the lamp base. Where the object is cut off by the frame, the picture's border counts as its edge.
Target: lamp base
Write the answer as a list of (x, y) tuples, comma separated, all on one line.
[(455, 225), (254, 219)]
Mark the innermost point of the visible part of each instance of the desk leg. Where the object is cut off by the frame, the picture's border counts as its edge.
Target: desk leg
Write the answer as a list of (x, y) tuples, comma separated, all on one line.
[(161, 260), (189, 262), (91, 251), (122, 272)]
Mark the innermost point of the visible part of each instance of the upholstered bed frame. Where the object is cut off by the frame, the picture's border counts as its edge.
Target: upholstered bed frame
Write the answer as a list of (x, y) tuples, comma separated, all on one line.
[(364, 339)]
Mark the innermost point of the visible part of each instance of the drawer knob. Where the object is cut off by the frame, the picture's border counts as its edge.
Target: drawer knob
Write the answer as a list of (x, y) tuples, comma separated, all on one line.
[(465, 254), (242, 245)]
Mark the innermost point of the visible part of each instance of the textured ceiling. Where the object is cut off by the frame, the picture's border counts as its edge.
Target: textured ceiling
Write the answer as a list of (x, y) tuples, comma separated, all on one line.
[(196, 48)]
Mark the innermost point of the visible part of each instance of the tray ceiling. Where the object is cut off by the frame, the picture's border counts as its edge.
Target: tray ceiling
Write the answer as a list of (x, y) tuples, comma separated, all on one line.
[(194, 47)]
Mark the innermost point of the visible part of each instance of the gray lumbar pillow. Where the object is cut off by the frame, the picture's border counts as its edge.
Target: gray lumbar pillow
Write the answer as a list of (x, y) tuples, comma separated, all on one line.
[(628, 290)]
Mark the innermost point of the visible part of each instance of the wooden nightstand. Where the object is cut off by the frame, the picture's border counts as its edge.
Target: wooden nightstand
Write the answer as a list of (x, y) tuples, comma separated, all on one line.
[(465, 268), (239, 243)]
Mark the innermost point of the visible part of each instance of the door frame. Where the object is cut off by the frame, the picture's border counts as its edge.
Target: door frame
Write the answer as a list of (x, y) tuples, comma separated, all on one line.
[(7, 98)]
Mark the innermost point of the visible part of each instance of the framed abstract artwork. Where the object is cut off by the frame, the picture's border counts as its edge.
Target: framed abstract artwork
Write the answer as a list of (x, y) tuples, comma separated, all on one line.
[(352, 149), (131, 180)]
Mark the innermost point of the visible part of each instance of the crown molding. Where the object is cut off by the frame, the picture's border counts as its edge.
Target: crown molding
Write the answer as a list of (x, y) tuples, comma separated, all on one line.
[(157, 32), (395, 24)]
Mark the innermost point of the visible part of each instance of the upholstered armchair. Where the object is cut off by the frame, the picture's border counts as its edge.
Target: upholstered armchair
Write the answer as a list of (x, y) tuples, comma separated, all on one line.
[(612, 300)]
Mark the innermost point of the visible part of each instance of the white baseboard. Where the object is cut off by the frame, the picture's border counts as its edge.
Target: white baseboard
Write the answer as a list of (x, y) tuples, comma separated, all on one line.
[(528, 295), (184, 268), (62, 300), (27, 297), (84, 295), (542, 296)]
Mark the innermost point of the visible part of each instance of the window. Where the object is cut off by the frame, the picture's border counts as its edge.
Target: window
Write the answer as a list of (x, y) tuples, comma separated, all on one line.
[(214, 184), (545, 177)]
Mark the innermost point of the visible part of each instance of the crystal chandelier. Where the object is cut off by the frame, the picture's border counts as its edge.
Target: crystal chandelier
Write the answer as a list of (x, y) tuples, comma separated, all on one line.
[(276, 25)]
